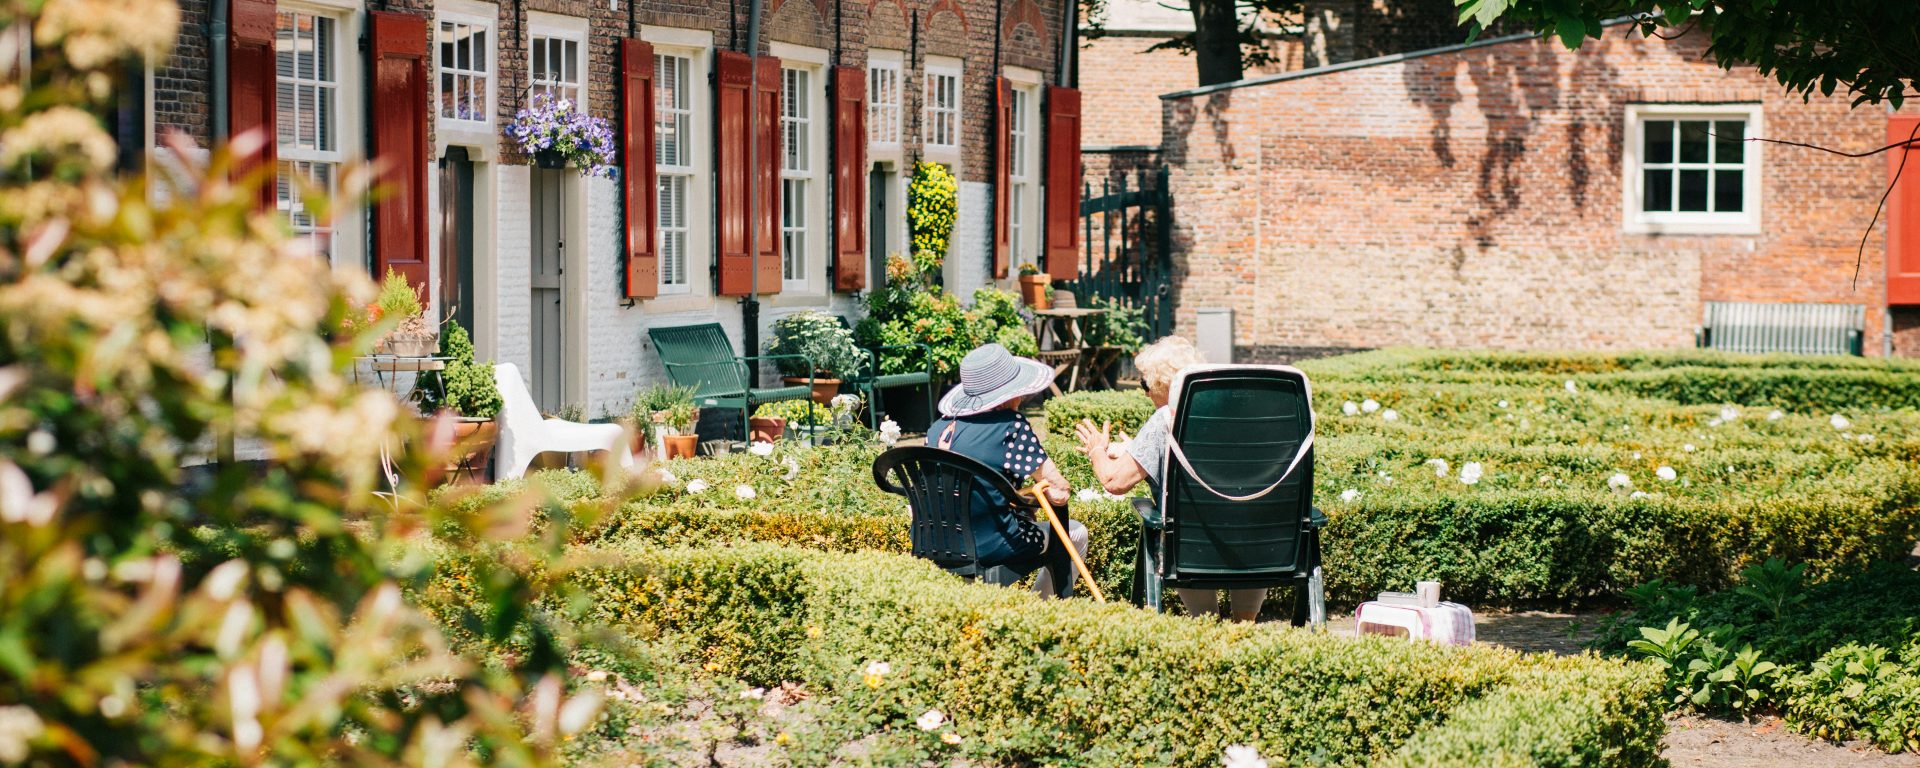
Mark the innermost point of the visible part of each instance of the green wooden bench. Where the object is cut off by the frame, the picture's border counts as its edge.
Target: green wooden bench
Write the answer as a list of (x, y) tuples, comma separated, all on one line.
[(1801, 329), (869, 383), (701, 356)]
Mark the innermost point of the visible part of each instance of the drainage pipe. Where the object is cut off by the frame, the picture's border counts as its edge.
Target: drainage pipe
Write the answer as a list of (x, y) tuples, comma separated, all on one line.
[(217, 42), (750, 305)]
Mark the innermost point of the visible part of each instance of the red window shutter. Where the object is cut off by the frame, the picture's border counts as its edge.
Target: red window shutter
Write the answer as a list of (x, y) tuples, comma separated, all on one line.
[(250, 91), (768, 116), (1002, 173), (1903, 215), (1063, 183), (637, 171), (850, 179), (733, 76), (399, 52), (738, 267)]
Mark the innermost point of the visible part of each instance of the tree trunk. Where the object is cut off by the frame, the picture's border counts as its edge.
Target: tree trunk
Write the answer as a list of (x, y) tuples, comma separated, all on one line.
[(1216, 41)]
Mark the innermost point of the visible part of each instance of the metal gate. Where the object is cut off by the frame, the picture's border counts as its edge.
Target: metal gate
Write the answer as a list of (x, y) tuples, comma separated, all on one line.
[(1128, 236)]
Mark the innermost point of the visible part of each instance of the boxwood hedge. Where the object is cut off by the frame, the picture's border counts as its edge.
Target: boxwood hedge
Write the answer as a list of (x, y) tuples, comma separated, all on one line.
[(1030, 682)]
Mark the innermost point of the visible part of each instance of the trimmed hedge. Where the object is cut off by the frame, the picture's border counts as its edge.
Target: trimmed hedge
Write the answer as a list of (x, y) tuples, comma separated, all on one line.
[(1030, 682)]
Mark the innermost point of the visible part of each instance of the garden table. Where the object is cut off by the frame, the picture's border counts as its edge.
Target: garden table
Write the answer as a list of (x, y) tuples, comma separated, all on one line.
[(1062, 344)]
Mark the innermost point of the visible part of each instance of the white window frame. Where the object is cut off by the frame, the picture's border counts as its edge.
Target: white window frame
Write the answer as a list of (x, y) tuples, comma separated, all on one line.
[(1637, 221), (886, 89), (942, 119), (804, 275), (675, 171), (289, 154), (574, 89), (457, 130), (691, 293), (1024, 196), (347, 250)]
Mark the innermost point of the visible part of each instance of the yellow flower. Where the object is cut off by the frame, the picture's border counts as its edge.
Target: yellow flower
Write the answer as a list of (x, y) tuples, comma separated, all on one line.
[(783, 739), (814, 632)]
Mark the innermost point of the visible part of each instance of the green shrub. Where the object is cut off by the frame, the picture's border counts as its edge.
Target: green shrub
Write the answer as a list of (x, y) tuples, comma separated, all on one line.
[(164, 609), (1125, 410), (1029, 682), (933, 200)]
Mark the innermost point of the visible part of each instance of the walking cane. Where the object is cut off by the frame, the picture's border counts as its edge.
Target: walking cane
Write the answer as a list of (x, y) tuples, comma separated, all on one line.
[(1039, 491)]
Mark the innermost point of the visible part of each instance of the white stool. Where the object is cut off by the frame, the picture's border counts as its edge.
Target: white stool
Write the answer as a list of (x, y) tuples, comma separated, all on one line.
[(1446, 623)]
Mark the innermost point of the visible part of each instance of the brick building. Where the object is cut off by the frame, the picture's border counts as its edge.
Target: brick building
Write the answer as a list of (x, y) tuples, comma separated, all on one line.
[(1513, 194), (563, 273)]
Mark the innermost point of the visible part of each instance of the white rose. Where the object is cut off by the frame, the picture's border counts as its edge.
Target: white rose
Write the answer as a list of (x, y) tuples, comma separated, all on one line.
[(1470, 472), (1776, 416), (1390, 415), (1839, 422), (1238, 756), (1440, 468), (1370, 405), (761, 448), (1620, 482), (696, 485), (744, 491), (1349, 495), (1572, 387), (930, 719), (1667, 474), (1350, 408)]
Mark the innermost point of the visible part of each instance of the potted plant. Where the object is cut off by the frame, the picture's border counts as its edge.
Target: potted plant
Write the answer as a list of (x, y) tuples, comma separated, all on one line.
[(804, 419), (681, 442), (412, 335), (1035, 286), (765, 426), (648, 417), (466, 389), (820, 351), (558, 133)]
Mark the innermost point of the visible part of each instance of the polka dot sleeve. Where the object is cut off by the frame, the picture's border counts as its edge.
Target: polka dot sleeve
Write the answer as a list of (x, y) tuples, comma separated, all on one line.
[(1024, 453)]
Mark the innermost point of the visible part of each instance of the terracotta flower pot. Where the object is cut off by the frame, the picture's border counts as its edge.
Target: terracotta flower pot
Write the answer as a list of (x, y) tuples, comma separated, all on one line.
[(681, 446), (823, 389), (1035, 290), (473, 439), (765, 429)]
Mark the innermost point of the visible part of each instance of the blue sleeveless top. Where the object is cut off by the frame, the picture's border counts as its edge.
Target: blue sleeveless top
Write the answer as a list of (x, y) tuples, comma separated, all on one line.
[(1004, 440)]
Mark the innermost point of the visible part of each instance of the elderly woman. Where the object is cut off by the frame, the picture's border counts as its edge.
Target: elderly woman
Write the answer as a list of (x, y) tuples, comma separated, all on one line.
[(1122, 466), (980, 418)]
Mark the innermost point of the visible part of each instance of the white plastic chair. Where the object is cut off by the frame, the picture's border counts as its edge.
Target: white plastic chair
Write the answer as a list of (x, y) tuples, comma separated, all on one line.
[(524, 434)]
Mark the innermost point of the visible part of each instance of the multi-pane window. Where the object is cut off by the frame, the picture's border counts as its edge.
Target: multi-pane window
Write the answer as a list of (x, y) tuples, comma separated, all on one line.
[(1020, 155), (1691, 169), (942, 119), (466, 57), (1693, 166), (306, 118), (555, 68), (796, 142), (673, 161), (883, 102)]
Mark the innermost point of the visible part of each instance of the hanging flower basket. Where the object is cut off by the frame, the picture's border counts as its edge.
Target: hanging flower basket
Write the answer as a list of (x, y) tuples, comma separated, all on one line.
[(558, 133)]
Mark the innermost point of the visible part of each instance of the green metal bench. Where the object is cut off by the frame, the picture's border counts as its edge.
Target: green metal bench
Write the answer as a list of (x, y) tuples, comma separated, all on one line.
[(871, 381), (701, 356)]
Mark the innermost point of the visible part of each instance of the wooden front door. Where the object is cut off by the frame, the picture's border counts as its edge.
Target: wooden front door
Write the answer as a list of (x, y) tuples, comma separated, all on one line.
[(548, 267)]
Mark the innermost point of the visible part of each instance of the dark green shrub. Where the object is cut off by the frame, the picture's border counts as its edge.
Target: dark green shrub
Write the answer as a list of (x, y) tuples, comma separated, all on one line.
[(1031, 682), (1125, 410)]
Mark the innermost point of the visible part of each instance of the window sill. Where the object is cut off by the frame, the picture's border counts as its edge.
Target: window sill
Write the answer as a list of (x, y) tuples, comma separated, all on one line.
[(1749, 226)]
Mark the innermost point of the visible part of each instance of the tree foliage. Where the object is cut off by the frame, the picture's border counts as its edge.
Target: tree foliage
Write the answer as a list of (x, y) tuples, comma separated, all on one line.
[(1869, 49)]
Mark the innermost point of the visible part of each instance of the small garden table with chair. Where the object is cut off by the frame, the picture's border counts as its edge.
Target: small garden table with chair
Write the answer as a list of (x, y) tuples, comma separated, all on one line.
[(1062, 343)]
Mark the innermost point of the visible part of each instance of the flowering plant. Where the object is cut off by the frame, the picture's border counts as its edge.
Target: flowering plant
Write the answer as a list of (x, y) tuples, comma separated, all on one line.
[(559, 126), (933, 199)]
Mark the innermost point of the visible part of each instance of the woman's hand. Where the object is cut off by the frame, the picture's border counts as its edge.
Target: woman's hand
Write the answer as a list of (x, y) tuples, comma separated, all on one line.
[(1093, 440)]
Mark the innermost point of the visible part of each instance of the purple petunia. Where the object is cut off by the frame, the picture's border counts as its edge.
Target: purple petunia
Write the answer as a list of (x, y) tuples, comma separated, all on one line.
[(555, 124)]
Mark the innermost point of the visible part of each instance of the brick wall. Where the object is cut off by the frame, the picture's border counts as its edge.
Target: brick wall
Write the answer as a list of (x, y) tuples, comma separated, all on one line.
[(1473, 199), (1122, 81)]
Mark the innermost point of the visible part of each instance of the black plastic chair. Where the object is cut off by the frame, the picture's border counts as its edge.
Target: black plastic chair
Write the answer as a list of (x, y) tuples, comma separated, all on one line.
[(1237, 519), (939, 486)]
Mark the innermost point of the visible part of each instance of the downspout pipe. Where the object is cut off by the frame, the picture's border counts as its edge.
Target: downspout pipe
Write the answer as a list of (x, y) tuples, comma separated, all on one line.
[(750, 305), (217, 41)]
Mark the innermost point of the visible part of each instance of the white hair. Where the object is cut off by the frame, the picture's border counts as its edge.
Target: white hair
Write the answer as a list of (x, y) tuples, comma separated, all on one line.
[(1162, 360)]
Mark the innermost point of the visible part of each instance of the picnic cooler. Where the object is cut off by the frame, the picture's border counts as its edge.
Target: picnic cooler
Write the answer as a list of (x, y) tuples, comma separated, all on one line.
[(1445, 623)]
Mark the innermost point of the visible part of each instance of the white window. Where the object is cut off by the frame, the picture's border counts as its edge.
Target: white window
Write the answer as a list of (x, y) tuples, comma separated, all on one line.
[(673, 160), (940, 123), (466, 64), (883, 99), (797, 136), (555, 68), (1690, 169), (307, 107), (1023, 188)]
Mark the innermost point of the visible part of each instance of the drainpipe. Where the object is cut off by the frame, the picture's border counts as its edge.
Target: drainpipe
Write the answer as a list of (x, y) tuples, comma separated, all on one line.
[(750, 305), (1068, 32), (217, 41)]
